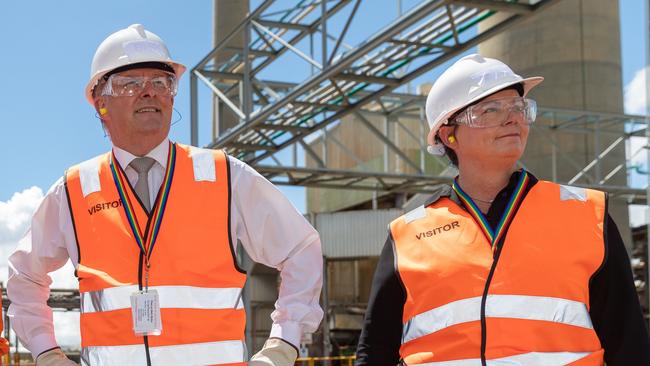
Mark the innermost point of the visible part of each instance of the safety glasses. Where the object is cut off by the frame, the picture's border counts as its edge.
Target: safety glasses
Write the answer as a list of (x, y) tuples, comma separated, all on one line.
[(127, 86), (496, 112)]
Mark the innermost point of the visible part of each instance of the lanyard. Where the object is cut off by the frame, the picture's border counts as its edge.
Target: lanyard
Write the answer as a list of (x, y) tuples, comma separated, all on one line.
[(147, 240), (493, 236)]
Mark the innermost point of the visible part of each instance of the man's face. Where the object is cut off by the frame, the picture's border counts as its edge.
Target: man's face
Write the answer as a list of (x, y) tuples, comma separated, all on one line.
[(146, 114)]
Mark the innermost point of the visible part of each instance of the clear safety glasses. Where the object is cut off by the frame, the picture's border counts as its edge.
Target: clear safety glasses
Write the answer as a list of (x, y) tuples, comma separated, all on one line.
[(496, 112), (127, 86)]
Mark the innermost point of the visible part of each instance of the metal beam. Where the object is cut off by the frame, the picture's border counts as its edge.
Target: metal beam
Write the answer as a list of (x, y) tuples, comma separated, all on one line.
[(233, 107), (285, 25), (413, 16), (222, 75), (270, 126), (388, 143), (504, 6), (395, 28), (368, 79)]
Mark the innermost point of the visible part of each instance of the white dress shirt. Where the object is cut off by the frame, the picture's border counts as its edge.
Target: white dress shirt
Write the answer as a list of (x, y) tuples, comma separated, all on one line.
[(269, 227)]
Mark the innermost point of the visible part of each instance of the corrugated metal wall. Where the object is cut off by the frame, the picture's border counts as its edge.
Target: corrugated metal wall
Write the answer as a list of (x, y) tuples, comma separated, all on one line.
[(351, 234)]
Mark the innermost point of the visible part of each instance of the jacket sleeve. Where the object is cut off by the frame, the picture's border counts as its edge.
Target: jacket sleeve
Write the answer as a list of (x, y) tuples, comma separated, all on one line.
[(614, 306), (382, 330), (275, 234), (46, 247)]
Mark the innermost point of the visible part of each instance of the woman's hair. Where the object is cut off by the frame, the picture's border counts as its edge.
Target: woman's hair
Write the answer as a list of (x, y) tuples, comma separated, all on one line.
[(450, 153)]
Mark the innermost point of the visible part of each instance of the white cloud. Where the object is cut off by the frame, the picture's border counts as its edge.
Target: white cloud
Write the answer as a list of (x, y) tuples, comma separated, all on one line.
[(635, 93), (15, 214), (15, 218)]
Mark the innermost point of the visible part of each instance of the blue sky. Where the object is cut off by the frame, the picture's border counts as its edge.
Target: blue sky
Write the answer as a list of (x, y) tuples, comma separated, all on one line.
[(47, 47)]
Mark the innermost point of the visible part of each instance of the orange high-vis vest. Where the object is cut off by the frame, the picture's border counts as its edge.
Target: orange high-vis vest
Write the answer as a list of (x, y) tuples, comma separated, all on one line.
[(4, 345), (193, 267), (528, 304)]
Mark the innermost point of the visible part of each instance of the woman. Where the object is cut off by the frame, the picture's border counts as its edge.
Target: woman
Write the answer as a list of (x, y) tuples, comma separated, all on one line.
[(500, 268)]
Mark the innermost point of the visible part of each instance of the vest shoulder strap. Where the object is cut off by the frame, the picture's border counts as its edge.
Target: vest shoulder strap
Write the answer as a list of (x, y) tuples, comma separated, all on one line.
[(203, 162), (87, 173)]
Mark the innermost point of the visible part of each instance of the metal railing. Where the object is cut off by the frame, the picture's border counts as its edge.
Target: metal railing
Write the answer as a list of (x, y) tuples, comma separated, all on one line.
[(316, 361)]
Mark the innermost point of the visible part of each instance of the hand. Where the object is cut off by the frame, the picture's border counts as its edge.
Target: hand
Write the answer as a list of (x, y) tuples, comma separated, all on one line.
[(54, 357), (276, 352)]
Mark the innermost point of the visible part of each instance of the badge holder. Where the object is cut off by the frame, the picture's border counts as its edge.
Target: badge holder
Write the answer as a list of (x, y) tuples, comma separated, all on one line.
[(145, 310), (145, 304)]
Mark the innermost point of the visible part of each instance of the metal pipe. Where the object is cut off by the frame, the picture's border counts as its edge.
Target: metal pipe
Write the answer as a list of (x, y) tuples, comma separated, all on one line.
[(325, 297), (323, 25), (247, 102), (194, 111)]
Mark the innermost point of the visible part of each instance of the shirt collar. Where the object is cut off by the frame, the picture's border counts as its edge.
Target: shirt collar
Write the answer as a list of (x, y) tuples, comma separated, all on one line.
[(158, 153), (446, 190)]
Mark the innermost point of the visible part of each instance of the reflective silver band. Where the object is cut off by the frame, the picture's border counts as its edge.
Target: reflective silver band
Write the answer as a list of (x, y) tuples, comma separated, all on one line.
[(444, 316), (89, 175), (524, 359), (212, 353), (550, 309), (203, 164), (187, 297)]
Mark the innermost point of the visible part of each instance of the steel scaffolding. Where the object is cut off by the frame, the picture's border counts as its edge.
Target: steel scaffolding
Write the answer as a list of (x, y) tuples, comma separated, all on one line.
[(272, 116), (273, 119)]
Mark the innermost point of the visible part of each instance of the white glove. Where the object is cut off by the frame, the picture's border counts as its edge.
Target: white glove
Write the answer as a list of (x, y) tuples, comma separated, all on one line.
[(275, 352), (54, 357)]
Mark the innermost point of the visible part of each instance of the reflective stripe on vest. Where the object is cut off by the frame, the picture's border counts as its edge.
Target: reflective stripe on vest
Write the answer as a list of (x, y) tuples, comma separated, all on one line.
[(180, 297), (536, 304), (202, 166), (528, 359), (193, 266), (211, 353), (498, 306)]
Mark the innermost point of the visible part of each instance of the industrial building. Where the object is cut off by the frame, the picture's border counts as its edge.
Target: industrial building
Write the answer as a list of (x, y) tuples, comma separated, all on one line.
[(346, 122)]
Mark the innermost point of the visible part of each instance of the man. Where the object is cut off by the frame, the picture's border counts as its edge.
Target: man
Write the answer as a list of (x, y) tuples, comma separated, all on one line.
[(500, 268), (151, 228)]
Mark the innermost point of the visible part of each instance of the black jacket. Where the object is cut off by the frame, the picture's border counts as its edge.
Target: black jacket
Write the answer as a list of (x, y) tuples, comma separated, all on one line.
[(614, 305)]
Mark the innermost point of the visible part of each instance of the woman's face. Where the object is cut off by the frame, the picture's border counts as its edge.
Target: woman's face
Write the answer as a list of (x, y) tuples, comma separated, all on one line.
[(505, 141)]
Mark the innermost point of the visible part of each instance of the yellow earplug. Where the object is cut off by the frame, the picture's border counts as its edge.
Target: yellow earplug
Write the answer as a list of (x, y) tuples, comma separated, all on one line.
[(103, 111), (451, 139)]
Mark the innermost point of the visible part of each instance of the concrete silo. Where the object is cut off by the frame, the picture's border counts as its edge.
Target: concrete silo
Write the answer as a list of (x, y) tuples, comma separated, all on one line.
[(575, 45)]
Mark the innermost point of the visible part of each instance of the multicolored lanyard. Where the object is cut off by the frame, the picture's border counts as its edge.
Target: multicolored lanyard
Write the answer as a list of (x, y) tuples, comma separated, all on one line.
[(146, 240), (493, 236)]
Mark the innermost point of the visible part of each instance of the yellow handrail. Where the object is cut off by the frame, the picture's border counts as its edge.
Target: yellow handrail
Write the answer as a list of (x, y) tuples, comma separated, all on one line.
[(311, 361)]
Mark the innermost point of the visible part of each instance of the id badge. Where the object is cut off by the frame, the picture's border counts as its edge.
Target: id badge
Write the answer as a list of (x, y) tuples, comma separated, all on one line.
[(145, 310)]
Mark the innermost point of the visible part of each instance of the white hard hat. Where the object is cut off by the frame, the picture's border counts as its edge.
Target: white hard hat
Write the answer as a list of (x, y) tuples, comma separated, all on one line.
[(132, 45), (470, 79)]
